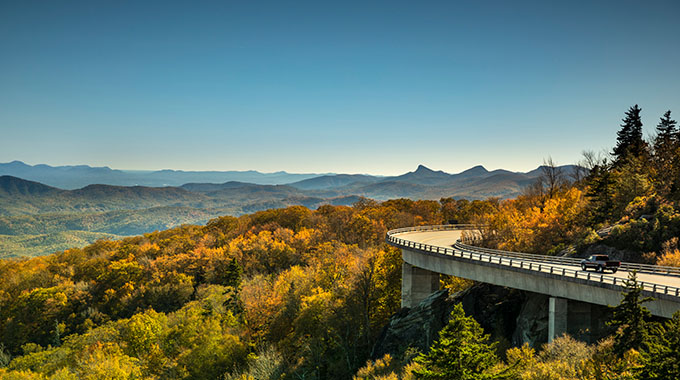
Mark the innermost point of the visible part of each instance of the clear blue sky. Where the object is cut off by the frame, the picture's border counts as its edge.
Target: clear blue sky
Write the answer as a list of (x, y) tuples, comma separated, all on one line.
[(370, 87)]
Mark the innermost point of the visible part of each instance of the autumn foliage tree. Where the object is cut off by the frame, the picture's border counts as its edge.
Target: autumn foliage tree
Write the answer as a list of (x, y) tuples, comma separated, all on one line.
[(314, 286)]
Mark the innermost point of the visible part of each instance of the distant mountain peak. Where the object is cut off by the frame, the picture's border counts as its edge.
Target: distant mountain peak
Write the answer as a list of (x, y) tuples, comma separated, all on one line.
[(422, 176), (423, 169), (17, 163), (476, 169)]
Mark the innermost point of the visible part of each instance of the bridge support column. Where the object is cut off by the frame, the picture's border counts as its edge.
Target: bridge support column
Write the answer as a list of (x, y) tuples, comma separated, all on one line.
[(557, 317), (582, 323), (416, 284)]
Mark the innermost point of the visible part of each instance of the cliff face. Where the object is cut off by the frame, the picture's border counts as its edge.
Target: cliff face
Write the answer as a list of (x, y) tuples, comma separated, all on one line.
[(416, 327), (532, 321), (512, 317)]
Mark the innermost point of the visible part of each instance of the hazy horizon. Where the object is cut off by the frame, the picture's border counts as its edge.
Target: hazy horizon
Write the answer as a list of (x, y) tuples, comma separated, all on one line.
[(399, 172)]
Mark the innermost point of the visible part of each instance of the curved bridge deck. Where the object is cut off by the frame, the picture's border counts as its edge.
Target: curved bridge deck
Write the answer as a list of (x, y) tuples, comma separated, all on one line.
[(436, 249)]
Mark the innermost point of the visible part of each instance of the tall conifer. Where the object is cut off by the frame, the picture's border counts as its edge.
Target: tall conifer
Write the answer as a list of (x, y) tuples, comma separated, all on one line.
[(630, 318), (462, 352), (665, 153), (629, 138), (666, 132), (662, 358)]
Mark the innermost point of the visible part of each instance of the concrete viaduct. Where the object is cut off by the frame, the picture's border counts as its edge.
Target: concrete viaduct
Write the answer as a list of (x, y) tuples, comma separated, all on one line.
[(428, 251)]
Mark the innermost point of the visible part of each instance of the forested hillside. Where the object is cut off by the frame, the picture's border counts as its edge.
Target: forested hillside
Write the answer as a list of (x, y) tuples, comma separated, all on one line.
[(304, 291), (36, 219)]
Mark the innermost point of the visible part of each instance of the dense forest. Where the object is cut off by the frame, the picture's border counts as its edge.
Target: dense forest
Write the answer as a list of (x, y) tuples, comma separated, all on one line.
[(295, 293), (305, 291)]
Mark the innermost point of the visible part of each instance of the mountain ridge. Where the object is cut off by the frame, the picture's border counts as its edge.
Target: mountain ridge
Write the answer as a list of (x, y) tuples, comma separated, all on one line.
[(423, 183), (71, 177), (29, 209), (10, 185)]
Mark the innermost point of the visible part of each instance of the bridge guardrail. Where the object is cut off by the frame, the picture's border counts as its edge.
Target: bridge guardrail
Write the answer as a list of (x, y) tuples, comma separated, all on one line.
[(642, 268), (528, 263)]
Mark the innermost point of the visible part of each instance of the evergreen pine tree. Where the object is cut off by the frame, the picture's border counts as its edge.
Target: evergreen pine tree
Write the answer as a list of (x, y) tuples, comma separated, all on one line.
[(234, 273), (462, 352), (662, 358), (629, 138), (233, 288), (601, 193), (666, 132), (630, 318), (56, 338), (665, 156)]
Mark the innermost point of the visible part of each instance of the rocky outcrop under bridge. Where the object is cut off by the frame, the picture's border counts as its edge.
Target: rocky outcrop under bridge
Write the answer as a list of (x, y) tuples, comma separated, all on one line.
[(512, 317)]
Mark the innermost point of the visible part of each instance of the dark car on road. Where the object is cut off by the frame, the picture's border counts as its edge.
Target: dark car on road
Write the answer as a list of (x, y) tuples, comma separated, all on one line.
[(600, 263)]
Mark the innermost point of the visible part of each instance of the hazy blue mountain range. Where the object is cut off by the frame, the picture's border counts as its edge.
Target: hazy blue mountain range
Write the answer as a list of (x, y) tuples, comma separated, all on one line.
[(78, 176), (425, 183), (37, 218), (476, 182), (22, 197)]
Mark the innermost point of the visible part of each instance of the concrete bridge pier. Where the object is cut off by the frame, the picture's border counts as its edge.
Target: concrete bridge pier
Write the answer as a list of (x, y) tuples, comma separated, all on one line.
[(584, 321), (416, 284), (557, 317)]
